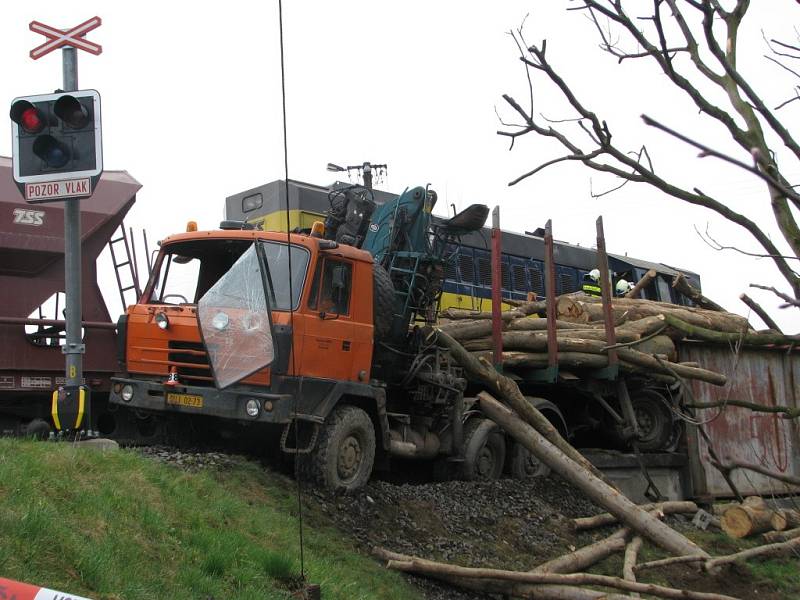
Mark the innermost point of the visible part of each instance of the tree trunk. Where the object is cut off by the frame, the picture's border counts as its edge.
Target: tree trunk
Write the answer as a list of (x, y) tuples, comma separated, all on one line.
[(772, 537), (783, 519), (511, 588), (723, 337), (509, 391), (631, 554), (641, 284), (667, 508), (585, 557), (587, 308), (682, 285), (438, 570), (781, 548), (750, 517), (597, 490)]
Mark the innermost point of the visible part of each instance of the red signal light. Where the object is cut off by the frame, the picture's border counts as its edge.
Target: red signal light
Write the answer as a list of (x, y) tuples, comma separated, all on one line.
[(31, 121), (27, 116)]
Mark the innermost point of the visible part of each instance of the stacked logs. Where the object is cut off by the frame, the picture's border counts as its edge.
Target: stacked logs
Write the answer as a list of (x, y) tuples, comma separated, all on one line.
[(645, 335)]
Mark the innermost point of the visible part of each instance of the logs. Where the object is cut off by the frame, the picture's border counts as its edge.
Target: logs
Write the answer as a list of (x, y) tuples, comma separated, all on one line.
[(634, 517), (783, 519), (748, 518), (667, 508), (772, 537), (587, 556)]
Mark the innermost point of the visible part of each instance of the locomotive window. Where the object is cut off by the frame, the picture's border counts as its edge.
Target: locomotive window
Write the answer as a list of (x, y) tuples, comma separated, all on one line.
[(537, 283), (485, 270), (518, 273), (252, 202), (465, 266), (567, 281)]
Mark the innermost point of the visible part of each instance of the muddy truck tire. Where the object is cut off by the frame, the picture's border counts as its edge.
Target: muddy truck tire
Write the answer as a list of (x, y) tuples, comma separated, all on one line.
[(345, 452), (484, 451)]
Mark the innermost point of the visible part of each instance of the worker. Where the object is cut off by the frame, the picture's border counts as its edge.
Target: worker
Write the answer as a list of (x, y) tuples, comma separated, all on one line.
[(591, 283), (623, 287)]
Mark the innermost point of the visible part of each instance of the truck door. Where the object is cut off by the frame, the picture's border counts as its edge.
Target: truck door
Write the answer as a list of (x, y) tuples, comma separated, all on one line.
[(329, 327)]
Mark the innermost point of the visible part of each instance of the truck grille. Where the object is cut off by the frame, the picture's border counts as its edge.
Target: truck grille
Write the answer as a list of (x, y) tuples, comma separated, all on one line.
[(191, 361)]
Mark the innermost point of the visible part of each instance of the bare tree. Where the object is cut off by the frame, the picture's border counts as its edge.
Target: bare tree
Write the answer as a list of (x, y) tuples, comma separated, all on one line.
[(694, 44)]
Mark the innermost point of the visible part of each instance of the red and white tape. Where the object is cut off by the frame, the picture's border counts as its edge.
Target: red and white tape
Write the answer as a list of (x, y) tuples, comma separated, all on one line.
[(14, 590)]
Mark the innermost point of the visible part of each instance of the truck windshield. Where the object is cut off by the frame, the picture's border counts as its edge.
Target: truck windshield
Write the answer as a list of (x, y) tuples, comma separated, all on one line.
[(185, 271)]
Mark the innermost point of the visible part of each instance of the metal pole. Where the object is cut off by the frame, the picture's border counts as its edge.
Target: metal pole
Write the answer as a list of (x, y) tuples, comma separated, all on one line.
[(497, 296), (73, 349)]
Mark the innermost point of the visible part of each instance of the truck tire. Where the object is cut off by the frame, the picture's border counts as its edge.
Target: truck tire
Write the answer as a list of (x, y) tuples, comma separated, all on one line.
[(345, 452), (382, 301), (484, 451), (524, 465), (654, 419)]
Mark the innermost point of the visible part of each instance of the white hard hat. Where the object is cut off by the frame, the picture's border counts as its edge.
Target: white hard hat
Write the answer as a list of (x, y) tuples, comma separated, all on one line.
[(623, 286), (595, 274)]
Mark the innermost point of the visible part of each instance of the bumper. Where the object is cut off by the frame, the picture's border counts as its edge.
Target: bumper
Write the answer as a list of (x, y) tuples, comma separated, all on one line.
[(193, 400)]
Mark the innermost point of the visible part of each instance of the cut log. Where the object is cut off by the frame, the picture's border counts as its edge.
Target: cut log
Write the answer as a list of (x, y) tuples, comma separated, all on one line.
[(508, 389), (772, 537), (511, 588), (641, 284), (631, 554), (672, 560), (438, 570), (682, 285), (586, 556), (667, 508), (780, 549), (720, 336), (645, 360), (748, 518), (632, 309), (783, 519), (611, 499), (659, 344), (578, 340)]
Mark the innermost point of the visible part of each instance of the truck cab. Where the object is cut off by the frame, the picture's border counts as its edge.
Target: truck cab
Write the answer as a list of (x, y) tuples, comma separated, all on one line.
[(254, 327)]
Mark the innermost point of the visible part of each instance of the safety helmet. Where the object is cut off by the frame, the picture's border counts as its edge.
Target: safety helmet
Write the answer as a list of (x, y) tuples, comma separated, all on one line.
[(623, 287), (594, 274)]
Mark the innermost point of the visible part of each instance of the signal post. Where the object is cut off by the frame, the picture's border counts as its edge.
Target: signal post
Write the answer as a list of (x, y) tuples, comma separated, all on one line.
[(57, 156)]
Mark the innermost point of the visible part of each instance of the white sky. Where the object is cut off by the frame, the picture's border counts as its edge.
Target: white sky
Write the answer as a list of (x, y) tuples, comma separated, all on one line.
[(192, 109)]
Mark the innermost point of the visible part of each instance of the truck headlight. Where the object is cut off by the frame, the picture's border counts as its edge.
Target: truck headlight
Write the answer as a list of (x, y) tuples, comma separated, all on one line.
[(127, 392), (252, 407), (220, 321)]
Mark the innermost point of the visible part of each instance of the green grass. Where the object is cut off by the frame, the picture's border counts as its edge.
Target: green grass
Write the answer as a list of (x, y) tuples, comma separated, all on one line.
[(116, 526)]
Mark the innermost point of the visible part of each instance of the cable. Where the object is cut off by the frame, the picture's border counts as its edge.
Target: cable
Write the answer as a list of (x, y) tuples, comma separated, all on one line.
[(291, 294)]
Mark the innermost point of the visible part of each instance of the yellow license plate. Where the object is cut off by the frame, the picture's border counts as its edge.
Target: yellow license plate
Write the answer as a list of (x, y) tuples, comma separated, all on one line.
[(185, 400)]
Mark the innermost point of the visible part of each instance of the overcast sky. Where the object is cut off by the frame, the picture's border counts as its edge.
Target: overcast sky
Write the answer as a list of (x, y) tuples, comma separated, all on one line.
[(191, 97)]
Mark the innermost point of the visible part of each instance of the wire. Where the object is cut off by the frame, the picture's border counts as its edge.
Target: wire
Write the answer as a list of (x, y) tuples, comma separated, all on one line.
[(291, 294)]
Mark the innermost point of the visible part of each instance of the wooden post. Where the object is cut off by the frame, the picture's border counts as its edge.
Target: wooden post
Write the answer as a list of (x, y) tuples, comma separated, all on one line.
[(497, 295)]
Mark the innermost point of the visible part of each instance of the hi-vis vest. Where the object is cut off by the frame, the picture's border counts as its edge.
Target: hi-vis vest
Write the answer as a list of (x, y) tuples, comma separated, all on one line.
[(592, 288)]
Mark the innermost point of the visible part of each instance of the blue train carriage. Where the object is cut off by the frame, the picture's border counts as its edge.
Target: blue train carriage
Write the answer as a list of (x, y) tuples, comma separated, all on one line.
[(468, 272)]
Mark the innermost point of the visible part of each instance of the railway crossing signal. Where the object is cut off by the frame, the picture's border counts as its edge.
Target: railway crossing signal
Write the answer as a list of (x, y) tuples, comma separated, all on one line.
[(57, 144)]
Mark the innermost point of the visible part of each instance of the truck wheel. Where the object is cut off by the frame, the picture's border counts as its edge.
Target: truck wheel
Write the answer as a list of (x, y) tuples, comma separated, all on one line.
[(525, 465), (382, 301), (345, 450), (654, 419), (484, 451)]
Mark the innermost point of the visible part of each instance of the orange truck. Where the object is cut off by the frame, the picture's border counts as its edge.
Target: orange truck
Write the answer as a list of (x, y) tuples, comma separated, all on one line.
[(312, 341)]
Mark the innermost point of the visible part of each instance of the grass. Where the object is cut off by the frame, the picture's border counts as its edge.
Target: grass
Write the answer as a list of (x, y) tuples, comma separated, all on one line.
[(116, 526)]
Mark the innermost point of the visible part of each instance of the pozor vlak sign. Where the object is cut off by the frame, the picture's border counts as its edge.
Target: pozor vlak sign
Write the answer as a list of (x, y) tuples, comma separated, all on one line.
[(57, 145)]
